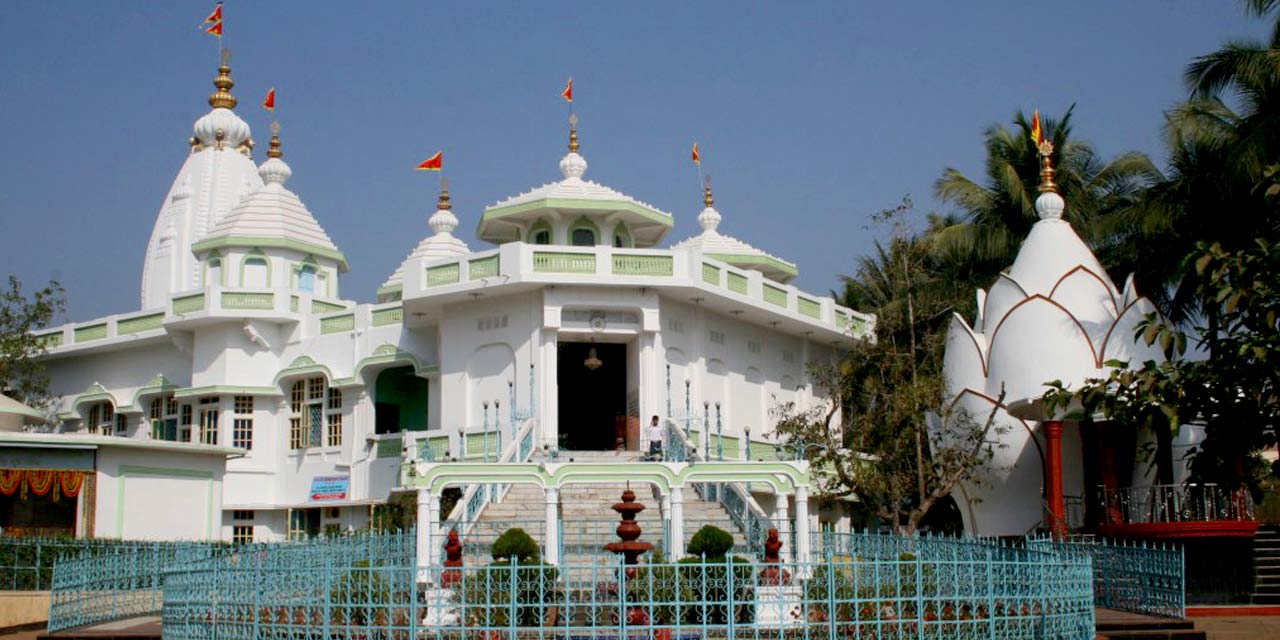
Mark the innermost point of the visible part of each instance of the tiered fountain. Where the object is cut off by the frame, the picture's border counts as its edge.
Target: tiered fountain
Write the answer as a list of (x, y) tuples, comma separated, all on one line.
[(630, 547)]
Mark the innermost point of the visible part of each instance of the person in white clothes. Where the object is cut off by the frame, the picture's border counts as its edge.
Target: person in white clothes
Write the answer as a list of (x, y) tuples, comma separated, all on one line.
[(654, 435)]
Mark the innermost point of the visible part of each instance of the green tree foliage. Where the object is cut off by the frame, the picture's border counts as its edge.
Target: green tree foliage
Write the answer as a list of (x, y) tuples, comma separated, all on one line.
[(884, 391), (515, 543), (22, 375), (710, 541), (1234, 391)]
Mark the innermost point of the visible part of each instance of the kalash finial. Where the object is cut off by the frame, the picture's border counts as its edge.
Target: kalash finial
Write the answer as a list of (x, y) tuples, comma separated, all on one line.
[(274, 150), (1047, 184), (222, 98), (707, 199), (443, 203), (573, 133)]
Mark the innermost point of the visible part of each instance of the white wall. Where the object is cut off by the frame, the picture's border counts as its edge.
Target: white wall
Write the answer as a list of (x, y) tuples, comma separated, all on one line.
[(155, 495)]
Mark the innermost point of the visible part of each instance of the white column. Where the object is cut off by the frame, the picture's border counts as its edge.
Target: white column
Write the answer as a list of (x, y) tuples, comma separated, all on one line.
[(548, 407), (677, 524), (802, 524), (551, 542), (426, 542), (783, 520)]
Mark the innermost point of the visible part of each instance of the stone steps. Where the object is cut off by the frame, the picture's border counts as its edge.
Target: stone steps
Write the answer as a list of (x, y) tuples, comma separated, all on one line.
[(1266, 566)]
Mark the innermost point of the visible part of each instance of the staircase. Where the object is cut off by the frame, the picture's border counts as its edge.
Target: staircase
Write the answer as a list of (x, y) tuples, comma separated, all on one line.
[(1266, 566), (1120, 625), (586, 519)]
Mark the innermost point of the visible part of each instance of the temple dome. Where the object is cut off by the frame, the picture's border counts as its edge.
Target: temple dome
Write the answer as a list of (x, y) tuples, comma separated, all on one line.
[(441, 245), (733, 251)]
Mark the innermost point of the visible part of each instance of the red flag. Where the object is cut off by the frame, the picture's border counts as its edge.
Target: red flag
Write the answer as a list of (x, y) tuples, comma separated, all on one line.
[(270, 103), (1037, 135), (434, 163), (215, 29), (568, 91), (216, 16), (697, 157)]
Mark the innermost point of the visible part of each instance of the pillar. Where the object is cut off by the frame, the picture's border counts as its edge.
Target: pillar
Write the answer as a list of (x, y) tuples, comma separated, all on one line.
[(551, 541), (677, 524), (428, 517), (783, 520), (802, 525), (1053, 477)]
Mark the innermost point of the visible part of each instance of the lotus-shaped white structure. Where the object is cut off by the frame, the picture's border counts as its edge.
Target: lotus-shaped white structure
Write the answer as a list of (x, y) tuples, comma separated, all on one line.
[(1055, 315)]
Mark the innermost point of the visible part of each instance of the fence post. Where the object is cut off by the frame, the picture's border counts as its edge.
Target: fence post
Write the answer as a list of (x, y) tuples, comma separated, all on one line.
[(732, 614), (831, 597), (515, 596), (991, 598)]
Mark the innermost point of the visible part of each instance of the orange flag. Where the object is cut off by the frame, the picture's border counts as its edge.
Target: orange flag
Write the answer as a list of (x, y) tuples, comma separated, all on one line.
[(434, 163), (568, 91), (216, 16), (270, 103), (214, 21), (697, 157), (1037, 135)]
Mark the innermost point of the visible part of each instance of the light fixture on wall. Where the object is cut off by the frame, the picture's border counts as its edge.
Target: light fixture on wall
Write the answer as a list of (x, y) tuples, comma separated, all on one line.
[(592, 362)]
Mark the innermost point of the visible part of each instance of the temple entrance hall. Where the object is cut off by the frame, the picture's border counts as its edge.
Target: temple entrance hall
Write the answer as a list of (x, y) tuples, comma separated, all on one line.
[(592, 399)]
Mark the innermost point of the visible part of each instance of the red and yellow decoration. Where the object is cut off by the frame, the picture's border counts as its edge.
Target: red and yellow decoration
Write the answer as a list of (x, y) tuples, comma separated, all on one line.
[(1037, 134), (697, 157), (567, 94), (269, 103), (56, 483), (434, 163), (214, 21)]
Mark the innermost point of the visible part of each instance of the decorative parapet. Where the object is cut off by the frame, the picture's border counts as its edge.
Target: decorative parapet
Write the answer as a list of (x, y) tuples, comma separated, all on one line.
[(642, 265), (563, 262), (245, 300), (91, 332), (775, 295), (388, 316), (737, 283), (482, 268), (138, 324), (50, 340), (321, 307), (443, 274), (389, 448), (338, 324), (188, 304), (711, 274), (811, 308)]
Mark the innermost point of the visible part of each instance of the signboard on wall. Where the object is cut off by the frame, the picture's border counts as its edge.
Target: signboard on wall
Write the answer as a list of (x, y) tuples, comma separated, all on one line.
[(330, 488)]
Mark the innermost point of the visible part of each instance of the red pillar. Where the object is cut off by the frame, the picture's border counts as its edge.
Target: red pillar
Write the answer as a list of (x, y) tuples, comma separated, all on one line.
[(1053, 478)]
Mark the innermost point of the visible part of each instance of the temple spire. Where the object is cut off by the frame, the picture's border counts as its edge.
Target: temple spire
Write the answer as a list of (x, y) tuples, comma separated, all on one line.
[(1045, 151), (573, 133), (222, 98), (274, 150)]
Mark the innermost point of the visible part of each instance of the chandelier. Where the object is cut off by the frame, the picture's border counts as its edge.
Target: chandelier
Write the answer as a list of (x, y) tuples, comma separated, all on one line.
[(592, 362)]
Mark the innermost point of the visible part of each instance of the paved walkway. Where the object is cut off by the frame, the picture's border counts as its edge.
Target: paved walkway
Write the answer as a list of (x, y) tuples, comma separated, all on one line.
[(1240, 628)]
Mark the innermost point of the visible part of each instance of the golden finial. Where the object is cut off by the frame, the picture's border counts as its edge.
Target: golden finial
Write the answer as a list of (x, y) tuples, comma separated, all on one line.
[(1047, 184), (573, 133), (222, 97), (443, 203), (706, 192), (274, 150)]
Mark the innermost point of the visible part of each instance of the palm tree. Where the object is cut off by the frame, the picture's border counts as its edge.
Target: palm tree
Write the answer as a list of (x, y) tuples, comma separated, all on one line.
[(994, 216)]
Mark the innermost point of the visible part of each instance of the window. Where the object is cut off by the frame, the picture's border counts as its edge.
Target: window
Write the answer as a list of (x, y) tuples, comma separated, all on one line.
[(307, 279), (619, 241), (186, 424), (316, 418), (102, 418), (122, 424), (542, 237), (209, 420), (242, 426), (256, 274), (583, 238), (164, 418), (242, 534), (242, 514), (304, 523)]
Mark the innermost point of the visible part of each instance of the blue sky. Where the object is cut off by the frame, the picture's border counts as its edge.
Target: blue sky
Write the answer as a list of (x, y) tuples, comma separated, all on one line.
[(811, 116)]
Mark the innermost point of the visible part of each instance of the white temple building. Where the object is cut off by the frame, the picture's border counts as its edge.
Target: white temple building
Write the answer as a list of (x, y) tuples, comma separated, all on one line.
[(558, 338)]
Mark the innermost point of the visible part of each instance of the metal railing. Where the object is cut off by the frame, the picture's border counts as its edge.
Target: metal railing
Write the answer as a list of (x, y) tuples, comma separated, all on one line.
[(26, 563), (1141, 577), (476, 496), (1166, 503), (989, 591)]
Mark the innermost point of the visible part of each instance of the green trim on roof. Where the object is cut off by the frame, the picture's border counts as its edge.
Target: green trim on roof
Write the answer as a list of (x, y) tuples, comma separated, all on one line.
[(577, 204), (273, 243), (221, 389), (743, 258)]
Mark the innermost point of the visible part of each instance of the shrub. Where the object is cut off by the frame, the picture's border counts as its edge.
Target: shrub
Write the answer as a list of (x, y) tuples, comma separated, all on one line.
[(358, 595), (515, 543), (712, 542)]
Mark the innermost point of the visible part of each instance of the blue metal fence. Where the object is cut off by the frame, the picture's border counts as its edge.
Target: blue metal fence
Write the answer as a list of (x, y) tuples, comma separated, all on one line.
[(26, 563), (1137, 576), (941, 590)]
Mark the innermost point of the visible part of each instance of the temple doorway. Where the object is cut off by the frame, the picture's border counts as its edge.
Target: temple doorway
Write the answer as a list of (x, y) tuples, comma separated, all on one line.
[(592, 399)]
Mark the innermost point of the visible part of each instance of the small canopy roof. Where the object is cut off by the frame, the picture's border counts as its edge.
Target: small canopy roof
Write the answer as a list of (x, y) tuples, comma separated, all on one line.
[(14, 414), (733, 251), (572, 198)]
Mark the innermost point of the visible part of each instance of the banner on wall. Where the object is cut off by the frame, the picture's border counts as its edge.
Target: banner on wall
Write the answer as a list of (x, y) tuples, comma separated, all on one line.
[(330, 488)]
